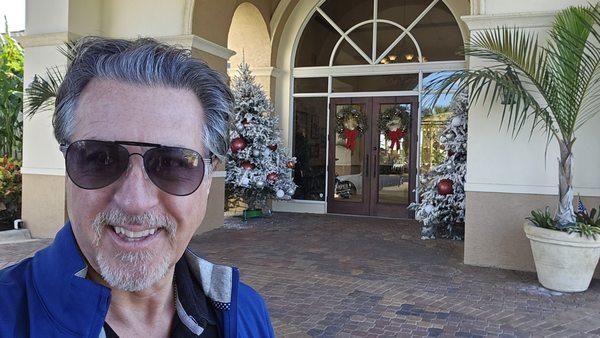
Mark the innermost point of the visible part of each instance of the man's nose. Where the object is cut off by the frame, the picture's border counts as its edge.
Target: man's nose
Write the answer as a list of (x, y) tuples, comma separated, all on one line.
[(135, 193)]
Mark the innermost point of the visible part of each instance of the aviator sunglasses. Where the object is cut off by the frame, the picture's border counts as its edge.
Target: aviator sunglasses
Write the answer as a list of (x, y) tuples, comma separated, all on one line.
[(93, 164)]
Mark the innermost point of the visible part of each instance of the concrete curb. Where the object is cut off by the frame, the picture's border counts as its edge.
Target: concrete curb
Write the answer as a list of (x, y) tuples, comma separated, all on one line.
[(13, 236)]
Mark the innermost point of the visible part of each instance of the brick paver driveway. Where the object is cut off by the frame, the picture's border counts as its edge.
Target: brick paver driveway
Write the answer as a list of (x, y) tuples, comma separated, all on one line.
[(325, 275)]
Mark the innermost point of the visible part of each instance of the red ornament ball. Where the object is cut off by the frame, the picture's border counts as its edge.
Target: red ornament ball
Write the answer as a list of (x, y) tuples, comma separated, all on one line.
[(291, 164), (273, 147), (238, 144), (247, 165), (445, 187), (272, 177)]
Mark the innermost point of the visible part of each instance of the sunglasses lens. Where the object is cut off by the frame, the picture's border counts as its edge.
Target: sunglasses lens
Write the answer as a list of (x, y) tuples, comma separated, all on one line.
[(178, 171), (95, 164)]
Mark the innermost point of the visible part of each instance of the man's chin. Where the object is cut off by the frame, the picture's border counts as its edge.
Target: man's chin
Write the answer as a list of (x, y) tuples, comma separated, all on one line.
[(132, 271)]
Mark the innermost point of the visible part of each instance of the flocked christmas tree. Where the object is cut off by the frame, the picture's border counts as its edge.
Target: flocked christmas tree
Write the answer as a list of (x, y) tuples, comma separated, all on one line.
[(258, 167), (442, 206)]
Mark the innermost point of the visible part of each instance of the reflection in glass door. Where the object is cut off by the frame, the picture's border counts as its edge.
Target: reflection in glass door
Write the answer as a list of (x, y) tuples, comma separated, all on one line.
[(394, 155), (349, 184), (372, 156)]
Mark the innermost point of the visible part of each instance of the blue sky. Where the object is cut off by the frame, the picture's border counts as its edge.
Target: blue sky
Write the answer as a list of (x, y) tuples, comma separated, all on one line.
[(14, 10)]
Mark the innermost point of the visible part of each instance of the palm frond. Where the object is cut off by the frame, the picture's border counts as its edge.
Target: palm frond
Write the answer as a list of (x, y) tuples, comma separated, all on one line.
[(509, 48), (575, 63), (42, 92), (557, 87), (69, 50)]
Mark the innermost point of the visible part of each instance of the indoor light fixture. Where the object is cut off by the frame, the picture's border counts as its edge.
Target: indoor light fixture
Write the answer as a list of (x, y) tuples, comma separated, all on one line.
[(392, 57), (409, 57)]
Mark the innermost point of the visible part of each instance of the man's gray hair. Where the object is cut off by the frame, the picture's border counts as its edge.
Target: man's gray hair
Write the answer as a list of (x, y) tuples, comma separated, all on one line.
[(145, 62)]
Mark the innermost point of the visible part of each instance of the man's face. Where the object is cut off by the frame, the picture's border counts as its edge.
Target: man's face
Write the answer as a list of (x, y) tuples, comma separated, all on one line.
[(110, 110)]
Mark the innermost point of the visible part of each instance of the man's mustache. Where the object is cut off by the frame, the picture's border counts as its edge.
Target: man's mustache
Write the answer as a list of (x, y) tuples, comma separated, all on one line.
[(117, 217)]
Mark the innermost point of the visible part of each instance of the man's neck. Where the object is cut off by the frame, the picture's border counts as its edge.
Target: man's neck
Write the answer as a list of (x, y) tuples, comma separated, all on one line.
[(146, 313)]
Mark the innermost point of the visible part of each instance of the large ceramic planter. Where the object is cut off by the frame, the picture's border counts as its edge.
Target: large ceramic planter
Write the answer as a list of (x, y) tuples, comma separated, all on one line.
[(564, 262)]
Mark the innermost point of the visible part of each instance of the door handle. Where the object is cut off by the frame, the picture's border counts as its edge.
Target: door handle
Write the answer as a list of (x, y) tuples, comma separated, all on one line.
[(367, 165), (374, 166)]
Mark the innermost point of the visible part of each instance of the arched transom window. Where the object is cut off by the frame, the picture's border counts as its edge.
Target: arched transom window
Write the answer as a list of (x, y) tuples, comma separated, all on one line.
[(355, 32)]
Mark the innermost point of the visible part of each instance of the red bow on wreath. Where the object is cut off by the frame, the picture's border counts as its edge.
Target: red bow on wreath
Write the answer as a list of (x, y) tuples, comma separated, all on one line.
[(395, 136), (350, 138)]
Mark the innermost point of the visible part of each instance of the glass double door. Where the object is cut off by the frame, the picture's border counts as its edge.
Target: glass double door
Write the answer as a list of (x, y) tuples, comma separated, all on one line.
[(372, 156)]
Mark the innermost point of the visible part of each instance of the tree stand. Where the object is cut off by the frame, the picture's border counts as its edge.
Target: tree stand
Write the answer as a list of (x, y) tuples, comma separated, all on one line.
[(255, 213)]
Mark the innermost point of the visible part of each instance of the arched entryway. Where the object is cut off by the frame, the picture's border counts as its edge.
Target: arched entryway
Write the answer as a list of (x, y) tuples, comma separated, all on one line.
[(370, 56), (249, 38)]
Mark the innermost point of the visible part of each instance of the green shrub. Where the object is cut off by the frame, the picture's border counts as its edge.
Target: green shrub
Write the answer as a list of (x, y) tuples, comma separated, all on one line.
[(10, 191), (11, 96)]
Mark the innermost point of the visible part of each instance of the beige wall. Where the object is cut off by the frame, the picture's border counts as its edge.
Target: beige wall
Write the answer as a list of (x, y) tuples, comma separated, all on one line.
[(516, 6), (213, 61), (212, 19), (249, 37), (132, 18), (494, 234), (215, 207), (44, 211)]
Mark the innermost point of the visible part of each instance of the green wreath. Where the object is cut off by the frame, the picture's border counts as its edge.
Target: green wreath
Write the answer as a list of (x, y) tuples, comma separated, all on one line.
[(346, 112), (395, 112)]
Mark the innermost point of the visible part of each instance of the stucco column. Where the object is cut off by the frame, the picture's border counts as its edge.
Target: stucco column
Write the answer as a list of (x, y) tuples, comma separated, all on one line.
[(43, 170)]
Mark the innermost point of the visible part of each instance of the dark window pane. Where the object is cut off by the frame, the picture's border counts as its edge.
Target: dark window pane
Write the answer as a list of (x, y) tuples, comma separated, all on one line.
[(375, 83), (310, 125), (316, 43), (386, 34), (438, 35), (348, 13), (310, 85), (363, 38), (403, 12), (347, 55)]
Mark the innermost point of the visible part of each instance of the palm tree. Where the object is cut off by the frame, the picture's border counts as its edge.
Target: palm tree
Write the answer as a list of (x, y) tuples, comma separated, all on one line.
[(555, 87)]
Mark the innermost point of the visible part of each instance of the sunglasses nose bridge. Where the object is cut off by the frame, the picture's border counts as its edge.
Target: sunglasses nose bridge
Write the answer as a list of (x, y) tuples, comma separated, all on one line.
[(130, 164)]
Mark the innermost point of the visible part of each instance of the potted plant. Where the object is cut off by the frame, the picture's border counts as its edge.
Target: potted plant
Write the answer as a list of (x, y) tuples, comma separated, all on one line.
[(565, 259), (556, 88)]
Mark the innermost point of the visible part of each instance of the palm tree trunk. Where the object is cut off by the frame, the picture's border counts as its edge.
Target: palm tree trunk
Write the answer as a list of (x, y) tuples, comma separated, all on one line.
[(565, 214)]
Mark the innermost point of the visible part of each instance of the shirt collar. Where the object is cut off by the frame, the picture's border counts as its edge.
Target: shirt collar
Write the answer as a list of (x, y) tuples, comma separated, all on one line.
[(192, 302)]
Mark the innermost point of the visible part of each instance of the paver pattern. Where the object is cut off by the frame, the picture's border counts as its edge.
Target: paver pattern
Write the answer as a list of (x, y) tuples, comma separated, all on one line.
[(329, 275)]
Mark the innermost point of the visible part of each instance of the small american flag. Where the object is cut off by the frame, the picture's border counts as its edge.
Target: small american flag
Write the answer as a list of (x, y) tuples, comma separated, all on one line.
[(581, 208)]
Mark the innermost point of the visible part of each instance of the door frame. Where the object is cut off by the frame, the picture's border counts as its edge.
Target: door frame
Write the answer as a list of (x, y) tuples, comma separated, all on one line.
[(369, 206)]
